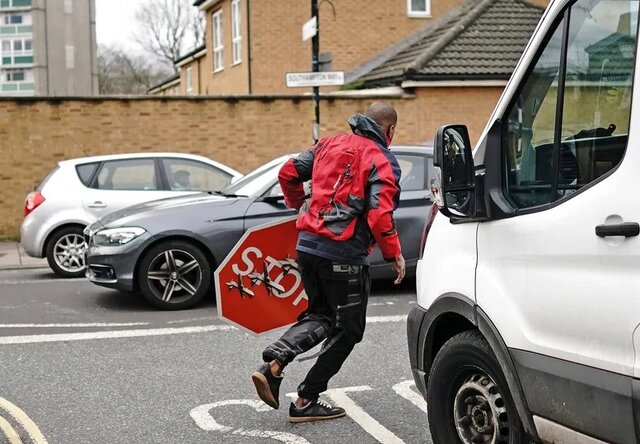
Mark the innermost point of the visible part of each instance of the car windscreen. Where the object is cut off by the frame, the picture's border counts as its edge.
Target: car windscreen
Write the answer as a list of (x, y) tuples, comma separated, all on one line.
[(254, 183)]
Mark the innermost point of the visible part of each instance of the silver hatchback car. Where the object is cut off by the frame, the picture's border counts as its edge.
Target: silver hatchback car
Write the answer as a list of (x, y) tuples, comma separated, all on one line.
[(79, 191)]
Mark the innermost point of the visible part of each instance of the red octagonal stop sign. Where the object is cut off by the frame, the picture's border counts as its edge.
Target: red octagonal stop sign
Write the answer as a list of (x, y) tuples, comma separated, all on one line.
[(258, 285)]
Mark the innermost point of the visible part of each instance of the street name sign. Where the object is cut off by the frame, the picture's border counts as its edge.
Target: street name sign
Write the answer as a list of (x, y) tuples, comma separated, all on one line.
[(307, 79)]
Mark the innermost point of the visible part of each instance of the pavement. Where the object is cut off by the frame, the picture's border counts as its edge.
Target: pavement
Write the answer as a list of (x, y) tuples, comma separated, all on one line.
[(13, 256)]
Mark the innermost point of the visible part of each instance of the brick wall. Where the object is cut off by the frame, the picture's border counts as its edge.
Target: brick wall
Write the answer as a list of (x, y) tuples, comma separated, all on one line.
[(242, 132)]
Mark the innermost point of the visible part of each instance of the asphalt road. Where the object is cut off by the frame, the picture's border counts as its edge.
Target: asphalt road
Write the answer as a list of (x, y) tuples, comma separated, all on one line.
[(81, 364)]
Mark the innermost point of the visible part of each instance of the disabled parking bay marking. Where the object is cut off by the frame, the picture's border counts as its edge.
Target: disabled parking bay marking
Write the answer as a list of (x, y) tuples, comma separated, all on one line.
[(23, 420)]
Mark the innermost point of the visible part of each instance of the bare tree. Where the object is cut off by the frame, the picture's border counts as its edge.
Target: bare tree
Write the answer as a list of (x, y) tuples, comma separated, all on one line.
[(168, 27), (120, 72)]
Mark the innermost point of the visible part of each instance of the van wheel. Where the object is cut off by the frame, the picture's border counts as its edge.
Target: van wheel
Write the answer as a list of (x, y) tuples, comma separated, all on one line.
[(174, 275), (468, 397), (65, 252)]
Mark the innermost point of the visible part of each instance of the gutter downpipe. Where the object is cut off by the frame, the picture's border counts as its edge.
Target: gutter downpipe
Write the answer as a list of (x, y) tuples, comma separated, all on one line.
[(249, 44)]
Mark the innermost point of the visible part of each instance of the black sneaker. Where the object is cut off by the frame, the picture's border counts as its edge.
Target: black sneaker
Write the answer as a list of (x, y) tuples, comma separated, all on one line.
[(267, 385), (314, 411)]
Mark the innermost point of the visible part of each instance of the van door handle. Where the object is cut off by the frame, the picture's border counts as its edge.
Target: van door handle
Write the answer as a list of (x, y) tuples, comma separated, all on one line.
[(97, 204), (627, 229)]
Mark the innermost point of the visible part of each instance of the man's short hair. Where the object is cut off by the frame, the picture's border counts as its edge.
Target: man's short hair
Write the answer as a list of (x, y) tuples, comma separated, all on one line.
[(382, 113)]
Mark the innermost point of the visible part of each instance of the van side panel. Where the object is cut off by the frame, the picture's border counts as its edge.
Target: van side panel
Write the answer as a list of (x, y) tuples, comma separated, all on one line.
[(449, 262)]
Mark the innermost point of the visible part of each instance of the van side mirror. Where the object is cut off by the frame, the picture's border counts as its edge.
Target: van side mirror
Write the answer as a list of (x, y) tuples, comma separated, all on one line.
[(453, 188)]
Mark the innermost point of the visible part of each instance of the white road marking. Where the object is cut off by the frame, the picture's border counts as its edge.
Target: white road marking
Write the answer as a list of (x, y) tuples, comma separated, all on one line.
[(182, 321), (63, 337), (379, 432), (404, 390), (85, 336), (378, 304), (27, 423), (42, 281), (203, 418), (385, 319), (78, 325), (9, 432)]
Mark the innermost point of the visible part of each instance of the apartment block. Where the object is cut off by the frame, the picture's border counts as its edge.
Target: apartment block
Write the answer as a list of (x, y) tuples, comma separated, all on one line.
[(48, 48)]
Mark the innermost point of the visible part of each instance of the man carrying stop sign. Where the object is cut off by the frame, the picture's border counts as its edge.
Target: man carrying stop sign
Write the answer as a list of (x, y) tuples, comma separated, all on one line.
[(355, 189)]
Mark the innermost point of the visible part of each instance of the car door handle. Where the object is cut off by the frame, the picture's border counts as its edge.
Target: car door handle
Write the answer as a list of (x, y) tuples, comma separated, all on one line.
[(627, 229), (97, 204)]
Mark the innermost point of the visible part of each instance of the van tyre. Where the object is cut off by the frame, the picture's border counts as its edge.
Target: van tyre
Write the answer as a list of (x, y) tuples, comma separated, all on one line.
[(65, 252), (467, 395), (174, 275)]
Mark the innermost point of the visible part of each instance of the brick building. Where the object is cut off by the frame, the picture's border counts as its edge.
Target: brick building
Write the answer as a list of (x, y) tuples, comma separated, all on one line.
[(251, 45)]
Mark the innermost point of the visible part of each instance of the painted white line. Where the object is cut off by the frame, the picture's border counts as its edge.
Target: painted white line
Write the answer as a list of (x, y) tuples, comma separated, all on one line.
[(78, 325), (32, 429), (9, 432), (379, 432), (384, 319), (182, 321), (378, 304), (404, 390), (203, 418), (63, 337), (43, 281)]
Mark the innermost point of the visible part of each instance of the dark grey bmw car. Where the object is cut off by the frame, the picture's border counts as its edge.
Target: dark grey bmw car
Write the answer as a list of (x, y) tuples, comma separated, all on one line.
[(168, 249)]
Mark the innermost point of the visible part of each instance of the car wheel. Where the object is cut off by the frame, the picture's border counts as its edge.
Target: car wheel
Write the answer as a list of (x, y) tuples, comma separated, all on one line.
[(467, 395), (65, 252), (174, 275)]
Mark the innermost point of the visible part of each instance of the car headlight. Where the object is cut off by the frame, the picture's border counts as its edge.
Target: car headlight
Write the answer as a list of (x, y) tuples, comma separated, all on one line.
[(116, 236)]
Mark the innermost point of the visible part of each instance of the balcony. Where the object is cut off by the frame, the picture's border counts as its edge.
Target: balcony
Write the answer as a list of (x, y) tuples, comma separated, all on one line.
[(19, 60), (11, 30), (11, 5), (16, 87)]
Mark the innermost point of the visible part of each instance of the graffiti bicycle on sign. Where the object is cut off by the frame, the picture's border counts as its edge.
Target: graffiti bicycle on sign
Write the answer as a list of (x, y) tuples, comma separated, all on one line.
[(258, 285)]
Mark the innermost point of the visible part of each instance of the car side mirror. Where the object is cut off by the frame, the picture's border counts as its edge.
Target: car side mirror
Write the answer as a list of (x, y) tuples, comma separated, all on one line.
[(453, 188), (273, 199)]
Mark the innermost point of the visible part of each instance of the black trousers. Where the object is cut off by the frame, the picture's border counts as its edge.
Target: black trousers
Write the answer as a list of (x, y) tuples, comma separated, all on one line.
[(338, 296)]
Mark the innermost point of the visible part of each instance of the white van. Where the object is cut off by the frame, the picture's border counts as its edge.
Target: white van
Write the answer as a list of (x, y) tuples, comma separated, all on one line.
[(527, 326)]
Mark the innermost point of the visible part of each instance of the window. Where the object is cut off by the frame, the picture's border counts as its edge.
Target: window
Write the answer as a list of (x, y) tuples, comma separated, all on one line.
[(419, 8), (236, 31), (191, 175), (218, 47), (6, 47), (565, 132), (15, 76), (189, 80), (13, 19), (413, 170), (17, 47), (70, 56), (134, 175), (68, 6), (86, 172)]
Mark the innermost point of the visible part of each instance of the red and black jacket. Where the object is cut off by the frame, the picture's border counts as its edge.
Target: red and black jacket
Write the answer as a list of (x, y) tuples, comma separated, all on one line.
[(355, 183)]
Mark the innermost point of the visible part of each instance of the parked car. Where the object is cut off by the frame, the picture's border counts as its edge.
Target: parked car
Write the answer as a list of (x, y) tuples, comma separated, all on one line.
[(527, 327), (79, 191), (136, 248)]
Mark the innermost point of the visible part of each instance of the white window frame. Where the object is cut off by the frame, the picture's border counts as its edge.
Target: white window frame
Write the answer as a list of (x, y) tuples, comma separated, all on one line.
[(217, 39), (425, 13), (7, 19), (236, 32), (17, 52), (15, 71), (189, 80)]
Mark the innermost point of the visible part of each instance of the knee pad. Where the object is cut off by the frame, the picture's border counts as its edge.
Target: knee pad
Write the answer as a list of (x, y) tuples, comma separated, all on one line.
[(301, 337)]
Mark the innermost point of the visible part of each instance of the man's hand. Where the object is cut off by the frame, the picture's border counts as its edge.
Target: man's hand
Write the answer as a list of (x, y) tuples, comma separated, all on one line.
[(399, 267)]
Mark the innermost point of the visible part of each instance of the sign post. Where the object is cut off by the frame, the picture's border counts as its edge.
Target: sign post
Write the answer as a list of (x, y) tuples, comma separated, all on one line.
[(315, 67)]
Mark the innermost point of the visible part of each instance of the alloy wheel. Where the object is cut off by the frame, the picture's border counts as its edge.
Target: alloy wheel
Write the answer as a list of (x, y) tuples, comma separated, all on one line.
[(69, 251), (174, 276)]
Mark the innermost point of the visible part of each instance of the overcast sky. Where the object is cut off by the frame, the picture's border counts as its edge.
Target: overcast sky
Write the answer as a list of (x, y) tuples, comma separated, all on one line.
[(115, 23)]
